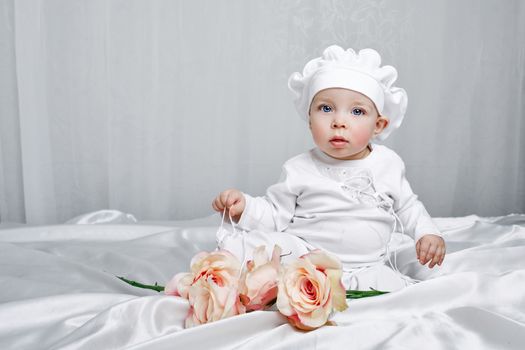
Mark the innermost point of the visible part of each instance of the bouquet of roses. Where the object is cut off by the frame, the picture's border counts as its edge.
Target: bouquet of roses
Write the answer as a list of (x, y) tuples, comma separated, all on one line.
[(307, 290)]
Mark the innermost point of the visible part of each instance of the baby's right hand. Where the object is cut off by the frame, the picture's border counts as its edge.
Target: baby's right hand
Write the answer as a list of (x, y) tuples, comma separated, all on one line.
[(233, 200)]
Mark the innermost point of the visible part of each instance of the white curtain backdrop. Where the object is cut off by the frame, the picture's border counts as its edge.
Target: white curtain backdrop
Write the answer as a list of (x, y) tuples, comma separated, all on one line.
[(153, 107)]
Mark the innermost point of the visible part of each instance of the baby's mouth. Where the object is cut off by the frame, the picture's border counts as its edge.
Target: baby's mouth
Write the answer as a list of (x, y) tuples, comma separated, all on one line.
[(338, 141)]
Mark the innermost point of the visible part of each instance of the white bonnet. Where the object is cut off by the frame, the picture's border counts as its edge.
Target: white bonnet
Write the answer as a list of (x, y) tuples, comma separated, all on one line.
[(359, 72)]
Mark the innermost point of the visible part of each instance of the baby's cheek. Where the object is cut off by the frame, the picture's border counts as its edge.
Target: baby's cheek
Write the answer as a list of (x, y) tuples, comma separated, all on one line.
[(361, 137)]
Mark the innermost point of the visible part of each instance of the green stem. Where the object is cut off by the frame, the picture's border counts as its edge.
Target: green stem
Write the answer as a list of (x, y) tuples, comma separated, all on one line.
[(357, 294), (350, 294), (155, 287)]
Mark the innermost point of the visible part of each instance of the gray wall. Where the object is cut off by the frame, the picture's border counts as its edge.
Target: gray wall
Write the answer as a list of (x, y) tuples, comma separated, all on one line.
[(153, 107)]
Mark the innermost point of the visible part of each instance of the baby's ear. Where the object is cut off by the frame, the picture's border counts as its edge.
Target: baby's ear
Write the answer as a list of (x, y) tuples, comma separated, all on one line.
[(381, 124)]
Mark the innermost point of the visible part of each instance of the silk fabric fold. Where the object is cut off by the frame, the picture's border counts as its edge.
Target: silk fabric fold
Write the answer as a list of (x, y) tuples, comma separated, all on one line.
[(59, 291)]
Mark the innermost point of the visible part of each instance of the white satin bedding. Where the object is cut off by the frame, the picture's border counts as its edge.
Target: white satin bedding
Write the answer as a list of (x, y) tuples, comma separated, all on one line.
[(58, 291)]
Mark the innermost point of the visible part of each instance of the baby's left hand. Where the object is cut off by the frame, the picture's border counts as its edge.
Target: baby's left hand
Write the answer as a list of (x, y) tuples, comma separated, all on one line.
[(430, 248)]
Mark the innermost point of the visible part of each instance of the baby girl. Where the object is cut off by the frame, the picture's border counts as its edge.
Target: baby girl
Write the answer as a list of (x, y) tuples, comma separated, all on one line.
[(348, 195)]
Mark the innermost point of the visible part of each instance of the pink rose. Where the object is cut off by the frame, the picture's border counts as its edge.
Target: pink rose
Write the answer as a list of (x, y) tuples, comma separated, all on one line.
[(310, 289), (222, 266), (210, 302), (258, 284), (211, 287)]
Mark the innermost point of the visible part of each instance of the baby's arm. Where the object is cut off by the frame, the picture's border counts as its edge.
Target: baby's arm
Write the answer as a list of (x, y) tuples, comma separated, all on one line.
[(430, 246), (272, 212)]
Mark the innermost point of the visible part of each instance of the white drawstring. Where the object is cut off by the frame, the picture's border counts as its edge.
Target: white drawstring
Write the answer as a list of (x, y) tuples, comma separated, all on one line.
[(351, 276), (348, 185), (386, 203), (222, 233), (408, 280)]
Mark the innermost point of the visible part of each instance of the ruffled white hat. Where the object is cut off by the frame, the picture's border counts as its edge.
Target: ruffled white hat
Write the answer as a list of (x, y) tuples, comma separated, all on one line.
[(359, 72)]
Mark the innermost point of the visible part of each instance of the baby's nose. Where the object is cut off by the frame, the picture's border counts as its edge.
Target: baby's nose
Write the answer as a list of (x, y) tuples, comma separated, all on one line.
[(338, 123)]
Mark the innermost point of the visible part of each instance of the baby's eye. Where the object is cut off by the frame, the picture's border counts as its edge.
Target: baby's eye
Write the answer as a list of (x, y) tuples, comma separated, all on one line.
[(358, 112), (326, 109)]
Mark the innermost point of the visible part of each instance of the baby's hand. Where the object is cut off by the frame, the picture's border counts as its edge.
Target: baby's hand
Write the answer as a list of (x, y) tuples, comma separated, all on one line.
[(430, 248), (233, 200)]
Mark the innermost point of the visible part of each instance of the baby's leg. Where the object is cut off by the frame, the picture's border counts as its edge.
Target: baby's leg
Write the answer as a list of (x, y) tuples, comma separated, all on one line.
[(378, 276), (242, 245)]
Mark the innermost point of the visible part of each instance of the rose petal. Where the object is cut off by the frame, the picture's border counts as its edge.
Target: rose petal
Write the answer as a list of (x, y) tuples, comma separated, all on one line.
[(323, 260), (259, 256), (338, 290), (179, 285)]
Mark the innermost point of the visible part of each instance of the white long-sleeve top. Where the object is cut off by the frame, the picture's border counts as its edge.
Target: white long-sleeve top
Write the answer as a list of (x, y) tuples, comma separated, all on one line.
[(342, 206)]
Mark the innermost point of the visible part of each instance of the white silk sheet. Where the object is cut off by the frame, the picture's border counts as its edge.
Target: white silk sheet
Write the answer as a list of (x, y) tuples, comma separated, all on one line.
[(58, 291)]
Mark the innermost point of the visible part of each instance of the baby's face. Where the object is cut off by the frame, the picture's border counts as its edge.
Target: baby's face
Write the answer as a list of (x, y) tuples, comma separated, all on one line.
[(343, 122)]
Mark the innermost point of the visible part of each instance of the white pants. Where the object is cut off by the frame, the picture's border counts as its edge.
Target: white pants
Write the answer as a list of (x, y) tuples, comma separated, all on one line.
[(377, 276)]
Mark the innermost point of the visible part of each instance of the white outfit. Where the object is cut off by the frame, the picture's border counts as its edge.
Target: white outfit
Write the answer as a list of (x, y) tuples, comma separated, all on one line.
[(344, 207)]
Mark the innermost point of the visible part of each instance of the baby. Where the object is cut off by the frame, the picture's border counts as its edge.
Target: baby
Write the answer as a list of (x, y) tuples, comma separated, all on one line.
[(348, 195)]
